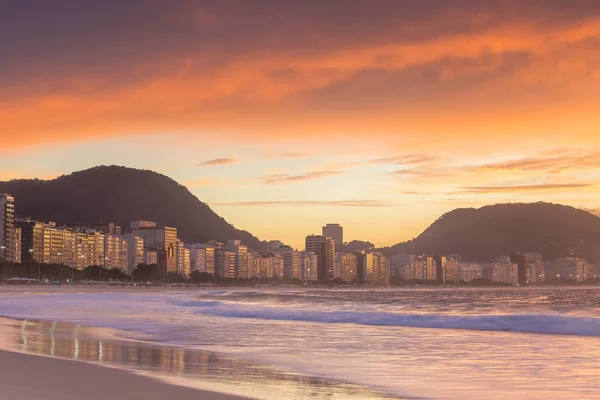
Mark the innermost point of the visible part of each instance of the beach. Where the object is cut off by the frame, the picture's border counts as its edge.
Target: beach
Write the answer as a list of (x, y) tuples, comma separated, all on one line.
[(64, 359), (335, 344), (31, 377)]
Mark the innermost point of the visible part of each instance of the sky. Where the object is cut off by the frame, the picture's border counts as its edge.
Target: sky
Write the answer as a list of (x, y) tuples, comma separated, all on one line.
[(380, 115)]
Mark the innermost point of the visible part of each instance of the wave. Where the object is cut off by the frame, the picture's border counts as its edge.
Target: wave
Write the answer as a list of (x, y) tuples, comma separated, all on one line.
[(523, 323)]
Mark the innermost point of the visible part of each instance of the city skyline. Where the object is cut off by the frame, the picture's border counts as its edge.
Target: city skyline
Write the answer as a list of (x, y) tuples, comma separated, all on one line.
[(296, 115)]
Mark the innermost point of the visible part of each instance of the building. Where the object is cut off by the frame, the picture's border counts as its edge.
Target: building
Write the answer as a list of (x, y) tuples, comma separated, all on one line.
[(309, 266), (504, 271), (291, 262), (346, 265), (451, 271), (274, 245), (334, 231), (17, 245), (115, 252), (241, 258), (202, 257), (469, 271), (162, 240), (150, 257), (521, 260), (135, 251), (58, 245), (89, 249), (225, 262), (324, 248), (7, 228)]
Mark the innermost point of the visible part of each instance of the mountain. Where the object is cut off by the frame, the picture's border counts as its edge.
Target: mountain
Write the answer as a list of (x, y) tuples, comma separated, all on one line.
[(484, 233), (121, 195)]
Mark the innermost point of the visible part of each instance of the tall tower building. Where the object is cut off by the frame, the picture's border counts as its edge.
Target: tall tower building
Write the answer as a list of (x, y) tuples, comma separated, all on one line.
[(7, 228), (324, 248), (334, 231)]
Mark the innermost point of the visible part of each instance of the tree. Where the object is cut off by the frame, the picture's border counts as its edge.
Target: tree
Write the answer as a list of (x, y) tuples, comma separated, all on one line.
[(145, 272), (200, 277)]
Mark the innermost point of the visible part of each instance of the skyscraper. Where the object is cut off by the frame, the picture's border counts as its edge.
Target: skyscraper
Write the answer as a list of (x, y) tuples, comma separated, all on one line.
[(334, 231), (324, 248), (7, 228)]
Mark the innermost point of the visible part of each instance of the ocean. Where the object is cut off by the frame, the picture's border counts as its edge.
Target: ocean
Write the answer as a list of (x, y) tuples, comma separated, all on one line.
[(457, 343)]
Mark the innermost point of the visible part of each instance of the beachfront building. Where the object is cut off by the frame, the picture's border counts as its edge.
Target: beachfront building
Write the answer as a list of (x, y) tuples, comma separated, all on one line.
[(162, 240), (309, 265), (291, 262), (346, 266), (202, 257), (324, 248), (7, 228), (504, 271), (241, 258), (225, 263), (469, 271), (135, 251)]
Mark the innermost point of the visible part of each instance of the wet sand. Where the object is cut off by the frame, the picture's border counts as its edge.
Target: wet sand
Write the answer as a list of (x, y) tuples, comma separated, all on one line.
[(31, 377)]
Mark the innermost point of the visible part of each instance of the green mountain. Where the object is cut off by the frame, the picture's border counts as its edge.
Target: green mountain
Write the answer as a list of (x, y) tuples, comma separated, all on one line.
[(121, 195), (484, 233)]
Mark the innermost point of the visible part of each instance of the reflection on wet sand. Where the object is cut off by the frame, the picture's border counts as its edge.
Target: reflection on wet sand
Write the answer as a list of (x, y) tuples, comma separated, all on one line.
[(189, 367)]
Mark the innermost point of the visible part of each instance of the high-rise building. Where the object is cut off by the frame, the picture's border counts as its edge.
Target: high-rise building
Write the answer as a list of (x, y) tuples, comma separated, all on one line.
[(7, 228), (225, 262), (334, 231), (346, 265), (324, 248), (241, 257), (162, 240), (309, 266), (521, 260), (202, 257), (291, 262), (135, 251), (17, 245), (115, 252)]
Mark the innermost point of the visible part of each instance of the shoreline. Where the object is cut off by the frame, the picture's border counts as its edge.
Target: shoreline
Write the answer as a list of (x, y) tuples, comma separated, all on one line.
[(95, 357)]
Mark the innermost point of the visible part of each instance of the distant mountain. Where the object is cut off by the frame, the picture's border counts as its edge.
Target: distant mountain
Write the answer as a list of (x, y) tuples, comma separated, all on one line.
[(484, 233), (121, 195)]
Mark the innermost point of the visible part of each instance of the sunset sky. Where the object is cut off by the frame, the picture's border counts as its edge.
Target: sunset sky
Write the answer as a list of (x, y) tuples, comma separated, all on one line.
[(286, 115)]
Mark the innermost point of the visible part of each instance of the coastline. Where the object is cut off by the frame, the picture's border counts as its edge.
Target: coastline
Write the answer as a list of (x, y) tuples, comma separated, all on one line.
[(49, 356)]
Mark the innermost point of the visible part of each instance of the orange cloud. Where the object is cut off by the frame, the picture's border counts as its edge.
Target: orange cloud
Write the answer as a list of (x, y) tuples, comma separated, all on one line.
[(217, 161), (277, 179), (506, 79)]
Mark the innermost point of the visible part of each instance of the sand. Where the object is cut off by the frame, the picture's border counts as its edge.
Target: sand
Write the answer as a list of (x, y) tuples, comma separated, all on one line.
[(32, 377)]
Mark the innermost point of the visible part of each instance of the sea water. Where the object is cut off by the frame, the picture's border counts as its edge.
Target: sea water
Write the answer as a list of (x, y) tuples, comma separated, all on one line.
[(522, 343)]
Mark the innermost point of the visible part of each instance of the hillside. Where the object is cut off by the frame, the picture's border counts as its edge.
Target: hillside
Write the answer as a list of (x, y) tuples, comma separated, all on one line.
[(121, 195), (484, 233)]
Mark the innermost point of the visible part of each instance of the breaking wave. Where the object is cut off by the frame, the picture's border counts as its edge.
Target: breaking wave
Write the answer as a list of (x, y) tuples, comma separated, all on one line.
[(524, 323)]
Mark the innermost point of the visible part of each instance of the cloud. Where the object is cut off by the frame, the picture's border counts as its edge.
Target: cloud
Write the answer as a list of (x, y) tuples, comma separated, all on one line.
[(311, 203), (523, 188), (217, 161), (443, 70), (555, 164), (410, 159), (277, 179)]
